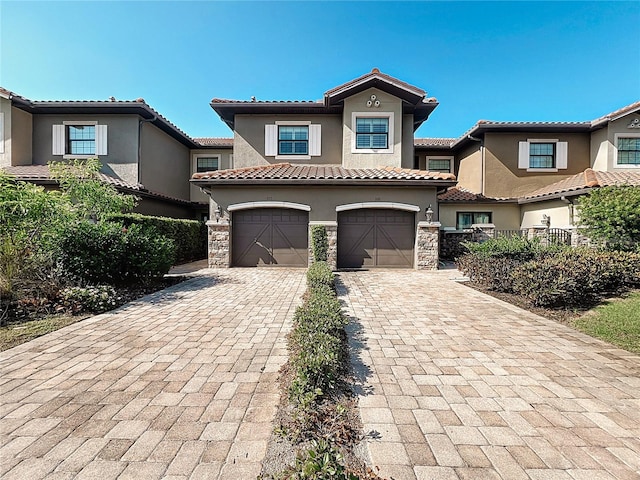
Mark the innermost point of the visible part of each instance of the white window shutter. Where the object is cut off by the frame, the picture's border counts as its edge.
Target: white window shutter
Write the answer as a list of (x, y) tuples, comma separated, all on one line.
[(270, 140), (58, 140), (562, 155), (523, 155), (315, 140), (101, 140)]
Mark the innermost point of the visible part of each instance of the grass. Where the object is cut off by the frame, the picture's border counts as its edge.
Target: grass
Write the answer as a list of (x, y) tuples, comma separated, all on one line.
[(617, 322), (15, 334)]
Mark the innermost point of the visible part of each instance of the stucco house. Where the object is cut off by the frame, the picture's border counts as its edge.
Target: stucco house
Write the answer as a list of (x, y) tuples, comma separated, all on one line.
[(141, 151)]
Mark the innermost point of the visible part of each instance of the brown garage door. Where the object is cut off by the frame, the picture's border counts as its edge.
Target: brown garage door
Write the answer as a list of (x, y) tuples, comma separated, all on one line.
[(269, 236), (375, 238)]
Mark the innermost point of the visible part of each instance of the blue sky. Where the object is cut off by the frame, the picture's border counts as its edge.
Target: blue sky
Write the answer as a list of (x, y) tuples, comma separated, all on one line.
[(513, 61)]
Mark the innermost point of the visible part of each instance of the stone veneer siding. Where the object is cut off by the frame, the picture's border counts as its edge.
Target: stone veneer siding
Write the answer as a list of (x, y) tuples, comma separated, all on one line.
[(427, 246), (218, 244)]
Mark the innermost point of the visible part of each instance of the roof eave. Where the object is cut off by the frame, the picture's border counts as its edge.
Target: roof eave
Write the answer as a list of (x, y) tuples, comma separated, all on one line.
[(556, 196), (325, 182)]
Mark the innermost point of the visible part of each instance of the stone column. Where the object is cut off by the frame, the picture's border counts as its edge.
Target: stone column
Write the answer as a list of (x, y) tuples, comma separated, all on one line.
[(332, 238), (483, 232), (539, 231), (427, 246), (219, 244), (578, 239)]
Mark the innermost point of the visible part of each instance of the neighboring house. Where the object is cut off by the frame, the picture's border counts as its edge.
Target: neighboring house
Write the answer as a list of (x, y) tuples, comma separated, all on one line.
[(140, 150)]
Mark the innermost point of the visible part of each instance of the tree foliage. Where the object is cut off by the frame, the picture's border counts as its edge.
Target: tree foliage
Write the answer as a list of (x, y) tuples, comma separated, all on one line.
[(612, 215)]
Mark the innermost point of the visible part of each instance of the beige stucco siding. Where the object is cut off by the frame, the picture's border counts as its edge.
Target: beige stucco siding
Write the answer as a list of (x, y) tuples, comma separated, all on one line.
[(559, 212), (324, 200), (505, 216), (164, 164), (225, 159), (603, 144), (407, 141), (21, 137), (5, 133), (600, 147), (358, 104), (122, 142), (469, 168), (249, 139), (502, 176)]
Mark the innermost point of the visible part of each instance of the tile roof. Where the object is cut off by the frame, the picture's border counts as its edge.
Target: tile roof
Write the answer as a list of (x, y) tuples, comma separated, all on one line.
[(320, 174), (617, 113), (40, 173), (433, 142), (254, 101), (214, 141), (585, 180), (375, 73), (461, 195)]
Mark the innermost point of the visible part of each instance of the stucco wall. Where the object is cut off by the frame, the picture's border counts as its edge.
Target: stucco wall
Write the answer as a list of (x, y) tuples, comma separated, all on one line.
[(603, 144), (5, 134), (388, 103), (505, 216), (557, 210), (407, 141), (122, 142), (323, 200), (152, 206), (502, 176), (248, 143), (468, 168), (225, 156), (600, 146), (164, 163), (21, 137)]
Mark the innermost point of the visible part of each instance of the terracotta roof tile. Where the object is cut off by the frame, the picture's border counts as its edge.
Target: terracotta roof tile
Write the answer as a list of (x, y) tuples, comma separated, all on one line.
[(433, 142), (617, 113), (286, 171), (583, 180), (461, 195), (214, 141), (279, 102), (372, 74)]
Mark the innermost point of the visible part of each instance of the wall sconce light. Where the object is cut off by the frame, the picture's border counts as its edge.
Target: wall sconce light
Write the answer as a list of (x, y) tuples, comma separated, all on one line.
[(429, 214), (546, 220), (373, 102), (218, 213)]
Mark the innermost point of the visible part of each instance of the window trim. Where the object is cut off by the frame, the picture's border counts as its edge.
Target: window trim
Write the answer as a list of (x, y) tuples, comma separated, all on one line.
[(439, 157), (70, 156), (196, 156), (390, 134), (615, 150), (292, 155), (292, 123), (560, 155), (490, 213)]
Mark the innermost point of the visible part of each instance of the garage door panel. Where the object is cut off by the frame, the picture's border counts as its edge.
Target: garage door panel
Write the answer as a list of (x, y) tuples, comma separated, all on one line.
[(376, 238), (269, 237)]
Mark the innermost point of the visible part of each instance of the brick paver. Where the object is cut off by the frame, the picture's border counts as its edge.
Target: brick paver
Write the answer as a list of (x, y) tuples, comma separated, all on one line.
[(454, 384), (181, 384)]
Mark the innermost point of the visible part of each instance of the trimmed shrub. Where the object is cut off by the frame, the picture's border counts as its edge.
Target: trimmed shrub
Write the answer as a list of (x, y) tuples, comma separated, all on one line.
[(96, 299), (319, 243), (110, 253), (189, 236), (319, 275), (576, 278)]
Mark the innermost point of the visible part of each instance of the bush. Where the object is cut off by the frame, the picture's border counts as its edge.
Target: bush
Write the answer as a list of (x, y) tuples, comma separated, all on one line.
[(320, 275), (491, 263), (189, 236), (319, 243), (110, 253), (576, 278), (96, 299)]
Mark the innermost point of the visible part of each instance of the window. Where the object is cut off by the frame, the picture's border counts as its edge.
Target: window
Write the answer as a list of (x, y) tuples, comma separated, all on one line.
[(81, 139), (464, 220), (439, 164), (628, 151), (293, 140), (372, 133), (207, 164), (543, 155)]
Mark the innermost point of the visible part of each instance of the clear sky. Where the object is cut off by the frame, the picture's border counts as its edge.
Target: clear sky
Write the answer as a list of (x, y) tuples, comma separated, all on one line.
[(512, 61)]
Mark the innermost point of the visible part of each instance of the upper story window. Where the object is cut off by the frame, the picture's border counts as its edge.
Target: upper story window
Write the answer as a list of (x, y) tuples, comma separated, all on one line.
[(439, 164), (293, 140), (628, 151), (79, 139), (207, 164), (543, 155), (372, 132)]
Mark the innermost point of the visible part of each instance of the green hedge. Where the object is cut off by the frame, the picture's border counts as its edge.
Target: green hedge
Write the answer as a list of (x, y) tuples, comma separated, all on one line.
[(319, 243), (189, 236), (110, 253)]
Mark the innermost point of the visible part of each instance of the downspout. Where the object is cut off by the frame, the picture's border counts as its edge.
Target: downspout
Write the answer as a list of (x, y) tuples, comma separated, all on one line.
[(475, 139), (570, 205), (140, 122)]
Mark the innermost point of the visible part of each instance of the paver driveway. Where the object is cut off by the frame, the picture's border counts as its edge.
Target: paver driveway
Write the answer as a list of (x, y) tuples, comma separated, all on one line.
[(179, 385), (456, 384)]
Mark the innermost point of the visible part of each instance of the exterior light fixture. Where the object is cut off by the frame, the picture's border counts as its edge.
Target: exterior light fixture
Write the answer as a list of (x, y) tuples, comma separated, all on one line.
[(429, 214), (217, 212)]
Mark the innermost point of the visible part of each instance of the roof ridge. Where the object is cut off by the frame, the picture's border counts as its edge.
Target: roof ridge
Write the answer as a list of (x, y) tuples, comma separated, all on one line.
[(590, 178)]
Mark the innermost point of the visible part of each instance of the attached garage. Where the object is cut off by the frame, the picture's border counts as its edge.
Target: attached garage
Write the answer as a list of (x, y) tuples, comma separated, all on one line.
[(270, 236), (370, 238)]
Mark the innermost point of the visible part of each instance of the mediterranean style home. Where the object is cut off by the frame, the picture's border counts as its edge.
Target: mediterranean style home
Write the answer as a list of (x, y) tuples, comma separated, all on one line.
[(349, 162)]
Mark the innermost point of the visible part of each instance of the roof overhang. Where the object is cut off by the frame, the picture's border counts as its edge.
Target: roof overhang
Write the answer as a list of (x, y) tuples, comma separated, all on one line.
[(227, 182), (556, 196), (227, 110)]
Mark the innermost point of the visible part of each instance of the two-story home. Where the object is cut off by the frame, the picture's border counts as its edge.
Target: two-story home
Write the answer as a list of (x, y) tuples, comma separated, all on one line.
[(141, 151), (345, 162)]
